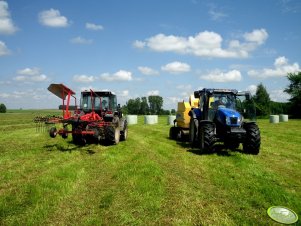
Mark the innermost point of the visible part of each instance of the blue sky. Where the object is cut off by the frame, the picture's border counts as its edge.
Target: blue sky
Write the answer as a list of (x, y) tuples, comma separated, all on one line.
[(138, 48)]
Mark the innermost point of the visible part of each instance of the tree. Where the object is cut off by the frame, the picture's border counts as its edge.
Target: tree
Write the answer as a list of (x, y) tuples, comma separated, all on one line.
[(2, 108), (262, 101), (133, 106), (294, 90), (155, 104), (144, 108)]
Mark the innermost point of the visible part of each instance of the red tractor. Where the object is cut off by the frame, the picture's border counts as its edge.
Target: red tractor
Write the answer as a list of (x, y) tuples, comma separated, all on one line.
[(98, 119)]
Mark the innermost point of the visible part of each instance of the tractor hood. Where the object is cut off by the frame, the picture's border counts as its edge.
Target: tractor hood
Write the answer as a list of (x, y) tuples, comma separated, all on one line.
[(229, 116)]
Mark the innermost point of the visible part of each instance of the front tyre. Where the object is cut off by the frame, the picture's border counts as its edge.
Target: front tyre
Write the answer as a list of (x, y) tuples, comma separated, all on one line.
[(253, 140), (207, 137)]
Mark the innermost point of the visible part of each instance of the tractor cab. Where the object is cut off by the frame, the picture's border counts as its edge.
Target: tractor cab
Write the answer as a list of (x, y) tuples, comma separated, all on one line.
[(227, 105), (103, 103)]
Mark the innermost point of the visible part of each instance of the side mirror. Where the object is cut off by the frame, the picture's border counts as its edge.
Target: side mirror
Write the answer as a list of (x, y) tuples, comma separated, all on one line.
[(248, 96), (197, 94)]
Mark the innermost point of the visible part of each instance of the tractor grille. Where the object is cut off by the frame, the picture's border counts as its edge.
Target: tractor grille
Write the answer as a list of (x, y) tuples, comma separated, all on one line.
[(233, 120)]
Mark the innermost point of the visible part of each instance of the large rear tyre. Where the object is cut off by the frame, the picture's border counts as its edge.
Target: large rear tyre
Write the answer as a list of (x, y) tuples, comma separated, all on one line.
[(253, 140), (207, 138), (112, 134)]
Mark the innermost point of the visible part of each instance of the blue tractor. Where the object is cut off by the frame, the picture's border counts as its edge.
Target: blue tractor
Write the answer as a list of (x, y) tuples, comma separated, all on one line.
[(224, 115)]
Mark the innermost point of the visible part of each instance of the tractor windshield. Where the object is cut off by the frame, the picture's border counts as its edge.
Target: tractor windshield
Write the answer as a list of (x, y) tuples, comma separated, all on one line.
[(100, 103), (226, 100)]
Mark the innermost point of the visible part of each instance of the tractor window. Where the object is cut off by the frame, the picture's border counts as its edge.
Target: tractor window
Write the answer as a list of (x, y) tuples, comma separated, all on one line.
[(86, 102), (105, 102), (223, 100), (113, 102)]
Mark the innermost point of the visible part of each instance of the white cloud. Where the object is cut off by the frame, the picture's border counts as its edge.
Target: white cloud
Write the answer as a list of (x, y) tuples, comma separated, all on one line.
[(176, 67), (83, 78), (29, 71), (147, 71), (53, 18), (7, 26), (3, 49), (219, 76), (123, 93), (80, 40), (252, 89), (259, 36), (216, 15), (205, 44), (30, 75), (174, 100), (281, 69), (118, 76), (153, 93), (94, 27), (184, 87), (279, 96), (139, 44)]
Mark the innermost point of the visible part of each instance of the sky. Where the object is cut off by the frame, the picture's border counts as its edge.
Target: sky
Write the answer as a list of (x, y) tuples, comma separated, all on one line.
[(138, 48)]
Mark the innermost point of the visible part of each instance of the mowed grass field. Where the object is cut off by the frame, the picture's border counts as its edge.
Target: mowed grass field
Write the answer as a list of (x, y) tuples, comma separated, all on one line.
[(146, 180)]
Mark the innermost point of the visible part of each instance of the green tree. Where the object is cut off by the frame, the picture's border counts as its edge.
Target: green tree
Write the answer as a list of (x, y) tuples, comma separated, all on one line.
[(294, 90), (155, 104), (144, 108), (133, 106), (262, 101), (2, 108)]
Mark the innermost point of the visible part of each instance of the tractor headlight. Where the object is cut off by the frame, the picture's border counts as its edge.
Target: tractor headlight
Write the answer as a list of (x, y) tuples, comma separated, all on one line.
[(240, 119), (228, 121)]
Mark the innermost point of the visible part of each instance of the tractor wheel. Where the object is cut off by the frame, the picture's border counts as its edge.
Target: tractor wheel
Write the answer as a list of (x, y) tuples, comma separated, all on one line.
[(252, 140), (112, 134), (53, 132), (193, 133), (124, 134), (76, 138), (173, 132), (206, 137)]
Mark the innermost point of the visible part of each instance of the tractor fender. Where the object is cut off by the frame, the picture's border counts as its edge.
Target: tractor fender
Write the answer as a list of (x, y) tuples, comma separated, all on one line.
[(195, 113)]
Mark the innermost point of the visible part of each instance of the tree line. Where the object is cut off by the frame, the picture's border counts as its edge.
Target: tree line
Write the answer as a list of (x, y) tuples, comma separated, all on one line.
[(151, 105), (264, 105)]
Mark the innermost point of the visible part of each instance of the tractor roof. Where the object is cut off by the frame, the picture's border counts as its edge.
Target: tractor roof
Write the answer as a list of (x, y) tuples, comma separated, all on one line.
[(99, 93), (60, 90), (212, 91)]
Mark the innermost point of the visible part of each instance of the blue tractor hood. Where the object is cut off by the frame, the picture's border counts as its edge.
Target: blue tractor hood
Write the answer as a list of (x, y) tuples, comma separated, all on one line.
[(229, 116)]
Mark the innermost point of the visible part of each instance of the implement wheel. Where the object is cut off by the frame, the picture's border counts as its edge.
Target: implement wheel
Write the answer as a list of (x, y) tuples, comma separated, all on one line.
[(53, 132)]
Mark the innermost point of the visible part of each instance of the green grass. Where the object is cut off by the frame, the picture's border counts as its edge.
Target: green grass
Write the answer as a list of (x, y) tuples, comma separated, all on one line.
[(147, 180)]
